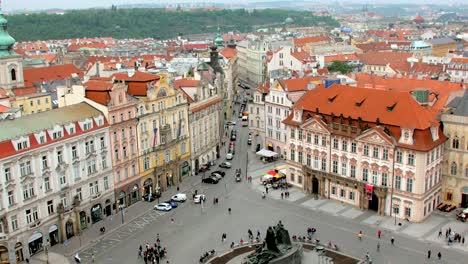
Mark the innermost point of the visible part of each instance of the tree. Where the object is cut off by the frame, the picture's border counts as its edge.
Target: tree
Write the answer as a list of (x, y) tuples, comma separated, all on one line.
[(339, 66)]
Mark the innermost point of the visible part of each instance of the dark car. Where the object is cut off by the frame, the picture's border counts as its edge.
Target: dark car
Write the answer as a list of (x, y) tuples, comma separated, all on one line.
[(222, 173), (172, 203), (211, 180), (153, 197), (205, 167)]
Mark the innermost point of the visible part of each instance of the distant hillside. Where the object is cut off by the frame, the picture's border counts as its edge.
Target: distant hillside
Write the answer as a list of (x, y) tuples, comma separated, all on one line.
[(146, 22)]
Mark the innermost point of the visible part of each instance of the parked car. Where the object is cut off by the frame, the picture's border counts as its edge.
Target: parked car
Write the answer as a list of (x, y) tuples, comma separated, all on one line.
[(249, 141), (229, 156), (240, 114), (217, 176), (232, 150), (233, 137), (222, 173), (171, 203), (225, 164), (238, 178), (163, 207), (199, 197), (231, 123), (180, 197), (204, 167), (211, 180)]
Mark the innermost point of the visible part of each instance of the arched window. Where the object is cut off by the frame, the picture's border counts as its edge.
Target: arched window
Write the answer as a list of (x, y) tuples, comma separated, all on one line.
[(453, 168), (13, 74), (455, 142)]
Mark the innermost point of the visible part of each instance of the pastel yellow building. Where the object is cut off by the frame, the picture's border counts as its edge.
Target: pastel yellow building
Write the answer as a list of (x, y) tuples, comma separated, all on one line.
[(33, 103), (163, 136)]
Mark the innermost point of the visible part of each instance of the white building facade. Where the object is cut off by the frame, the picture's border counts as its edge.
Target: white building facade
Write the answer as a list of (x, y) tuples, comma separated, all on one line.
[(57, 178)]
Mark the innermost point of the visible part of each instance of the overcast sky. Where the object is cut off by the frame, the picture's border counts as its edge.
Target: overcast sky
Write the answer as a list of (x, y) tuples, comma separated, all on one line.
[(10, 5)]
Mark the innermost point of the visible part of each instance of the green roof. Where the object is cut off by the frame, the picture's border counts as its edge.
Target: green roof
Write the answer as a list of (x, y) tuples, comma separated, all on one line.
[(11, 129), (6, 41)]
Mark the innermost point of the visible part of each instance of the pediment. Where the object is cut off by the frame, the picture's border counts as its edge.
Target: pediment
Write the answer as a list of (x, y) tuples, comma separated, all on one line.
[(315, 124), (376, 136)]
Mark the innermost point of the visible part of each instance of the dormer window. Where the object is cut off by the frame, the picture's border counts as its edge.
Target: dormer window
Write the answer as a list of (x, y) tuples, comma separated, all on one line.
[(57, 134), (87, 125), (406, 135), (23, 144), (42, 139)]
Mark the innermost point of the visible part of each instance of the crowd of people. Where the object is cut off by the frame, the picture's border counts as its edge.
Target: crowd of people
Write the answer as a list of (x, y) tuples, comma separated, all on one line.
[(153, 254)]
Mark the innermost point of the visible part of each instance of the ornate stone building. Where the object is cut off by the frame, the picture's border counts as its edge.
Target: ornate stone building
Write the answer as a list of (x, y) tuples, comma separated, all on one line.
[(377, 150)]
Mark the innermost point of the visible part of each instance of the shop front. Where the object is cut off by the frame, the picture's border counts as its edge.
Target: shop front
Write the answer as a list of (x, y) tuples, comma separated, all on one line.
[(83, 222), (108, 208), (69, 232), (185, 169), (96, 213), (122, 199), (148, 186), (19, 252), (53, 235), (135, 194), (35, 243), (4, 257)]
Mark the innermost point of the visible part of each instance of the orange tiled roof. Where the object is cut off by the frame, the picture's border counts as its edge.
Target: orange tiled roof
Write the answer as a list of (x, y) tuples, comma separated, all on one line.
[(75, 47), (341, 57), (3, 94), (374, 46), (50, 58), (383, 58), (178, 84), (137, 77), (299, 84), (98, 85), (459, 60), (228, 52), (205, 105), (306, 40), (4, 108), (51, 73), (264, 87), (302, 56), (417, 68)]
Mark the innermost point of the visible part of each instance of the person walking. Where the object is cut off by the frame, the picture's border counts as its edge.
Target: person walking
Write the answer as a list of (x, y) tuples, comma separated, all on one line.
[(439, 255), (463, 240), (282, 195), (92, 258), (429, 254), (229, 210), (392, 240), (266, 189), (378, 245), (360, 235), (379, 233), (440, 233)]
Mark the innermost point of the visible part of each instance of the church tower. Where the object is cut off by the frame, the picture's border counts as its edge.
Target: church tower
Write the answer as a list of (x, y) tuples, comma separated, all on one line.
[(11, 64)]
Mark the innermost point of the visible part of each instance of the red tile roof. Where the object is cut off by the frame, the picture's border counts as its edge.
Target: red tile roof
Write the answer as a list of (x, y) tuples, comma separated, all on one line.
[(302, 56), (299, 42), (228, 52), (193, 46), (4, 108), (205, 105), (98, 85), (76, 47), (417, 68), (51, 73), (49, 58), (383, 58), (137, 77), (264, 87), (98, 91), (459, 60), (3, 93), (341, 57), (20, 91), (374, 46), (178, 84), (299, 84), (323, 71)]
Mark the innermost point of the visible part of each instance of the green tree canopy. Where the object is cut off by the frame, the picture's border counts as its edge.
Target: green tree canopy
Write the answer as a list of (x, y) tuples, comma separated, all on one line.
[(149, 22), (339, 66)]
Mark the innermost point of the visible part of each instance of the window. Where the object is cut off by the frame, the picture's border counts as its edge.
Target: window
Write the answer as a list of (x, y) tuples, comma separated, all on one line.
[(333, 190), (366, 150), (353, 171), (375, 152), (292, 177), (335, 166), (293, 155), (74, 152), (299, 134), (396, 210), (72, 130), (308, 161), (449, 196), (76, 172), (455, 143), (63, 199), (453, 168), (375, 176), (50, 207), (384, 179), (91, 164), (365, 174), (167, 156), (46, 184), (324, 164), (116, 154), (409, 185), (344, 145), (335, 143), (103, 143), (59, 157), (344, 169), (293, 133), (353, 147), (25, 168), (309, 138), (44, 162), (7, 172), (89, 146), (22, 145), (14, 223), (316, 162), (79, 194), (343, 193), (63, 179), (126, 173), (93, 188), (399, 157), (316, 139), (13, 74), (123, 134), (324, 141), (300, 157), (146, 163), (398, 182), (41, 139), (11, 198), (299, 179), (31, 215), (411, 159), (124, 151), (106, 183), (104, 162), (351, 196), (408, 212), (57, 134), (385, 154), (466, 172)]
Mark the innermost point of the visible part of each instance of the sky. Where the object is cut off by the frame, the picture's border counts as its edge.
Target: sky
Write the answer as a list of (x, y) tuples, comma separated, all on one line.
[(30, 5)]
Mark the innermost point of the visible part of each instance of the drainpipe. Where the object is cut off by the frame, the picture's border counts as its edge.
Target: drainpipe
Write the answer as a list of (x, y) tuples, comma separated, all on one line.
[(330, 161), (393, 182)]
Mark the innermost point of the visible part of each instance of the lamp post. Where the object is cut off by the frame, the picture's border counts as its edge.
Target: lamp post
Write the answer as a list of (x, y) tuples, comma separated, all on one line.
[(121, 207), (46, 250), (393, 209)]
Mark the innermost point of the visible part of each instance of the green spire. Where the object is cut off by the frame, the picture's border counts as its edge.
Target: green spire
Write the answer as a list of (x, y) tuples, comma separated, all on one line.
[(6, 41), (219, 40)]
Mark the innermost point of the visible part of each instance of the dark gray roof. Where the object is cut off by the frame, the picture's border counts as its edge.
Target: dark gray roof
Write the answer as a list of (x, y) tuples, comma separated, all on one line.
[(460, 105), (442, 41)]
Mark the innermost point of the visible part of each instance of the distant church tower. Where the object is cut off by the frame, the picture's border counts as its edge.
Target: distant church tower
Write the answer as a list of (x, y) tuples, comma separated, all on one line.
[(11, 64)]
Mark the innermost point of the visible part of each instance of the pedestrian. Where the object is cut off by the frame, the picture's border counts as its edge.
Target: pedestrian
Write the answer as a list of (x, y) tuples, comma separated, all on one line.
[(172, 219), (440, 232), (177, 188), (258, 233), (217, 201), (214, 200), (446, 233), (439, 255), (392, 240), (92, 258), (229, 210), (378, 245), (266, 189), (232, 244), (429, 254), (282, 195), (360, 235), (463, 240), (379, 233)]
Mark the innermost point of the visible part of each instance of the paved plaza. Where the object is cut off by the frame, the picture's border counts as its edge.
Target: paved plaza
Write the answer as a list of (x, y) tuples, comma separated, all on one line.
[(196, 229)]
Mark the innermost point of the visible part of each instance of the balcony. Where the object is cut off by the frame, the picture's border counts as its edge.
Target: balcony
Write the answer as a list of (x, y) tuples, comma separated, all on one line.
[(35, 224)]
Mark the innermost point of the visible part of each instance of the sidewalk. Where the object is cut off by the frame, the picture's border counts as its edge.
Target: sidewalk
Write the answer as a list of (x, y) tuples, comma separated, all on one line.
[(111, 223), (41, 258)]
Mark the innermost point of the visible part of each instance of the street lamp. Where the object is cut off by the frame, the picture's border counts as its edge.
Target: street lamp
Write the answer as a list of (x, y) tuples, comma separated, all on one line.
[(121, 207), (394, 206), (46, 250)]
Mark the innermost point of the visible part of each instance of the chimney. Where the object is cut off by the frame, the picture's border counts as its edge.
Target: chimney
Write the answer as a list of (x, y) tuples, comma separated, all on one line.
[(97, 69)]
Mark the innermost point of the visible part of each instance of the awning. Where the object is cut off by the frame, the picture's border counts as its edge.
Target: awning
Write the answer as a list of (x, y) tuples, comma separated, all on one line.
[(35, 237), (52, 228), (267, 153)]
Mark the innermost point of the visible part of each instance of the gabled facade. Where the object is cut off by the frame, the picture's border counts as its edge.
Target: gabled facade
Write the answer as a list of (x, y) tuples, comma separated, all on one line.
[(458, 70), (57, 178), (289, 58), (257, 115), (377, 150)]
